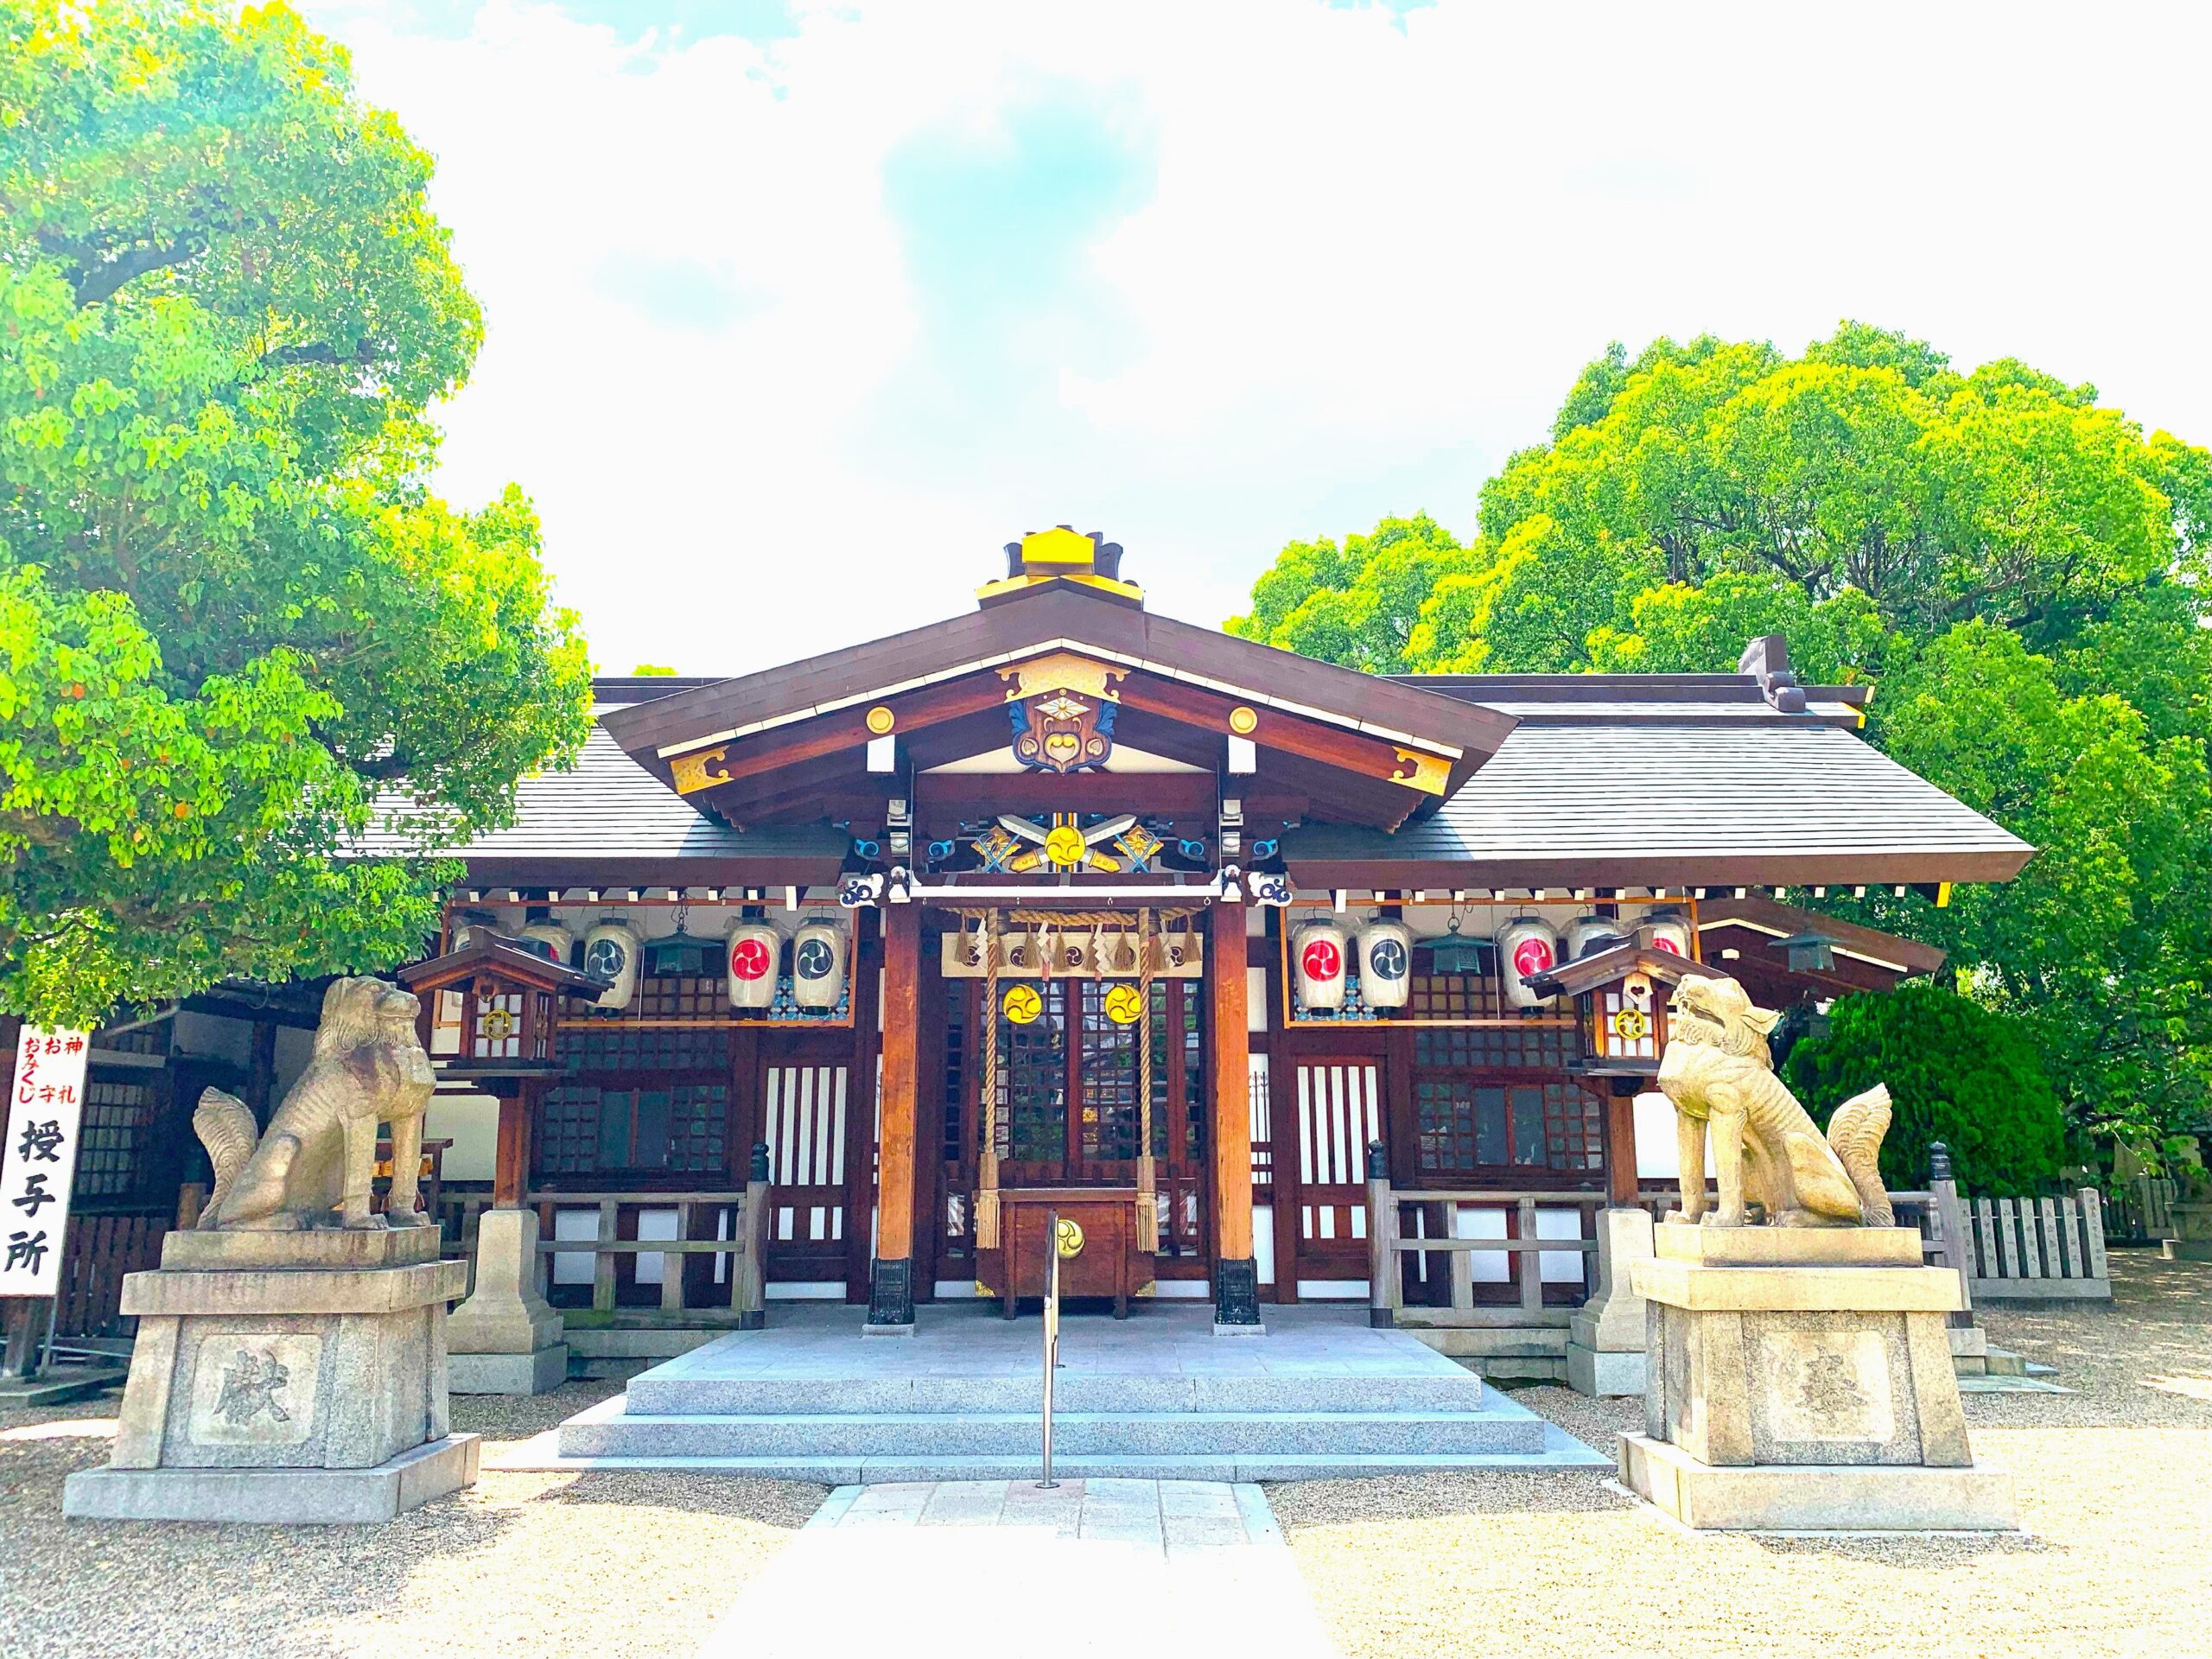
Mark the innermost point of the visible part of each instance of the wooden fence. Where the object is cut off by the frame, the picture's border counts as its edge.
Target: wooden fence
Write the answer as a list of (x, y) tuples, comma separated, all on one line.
[(2007, 1249), (98, 1252), (740, 1220)]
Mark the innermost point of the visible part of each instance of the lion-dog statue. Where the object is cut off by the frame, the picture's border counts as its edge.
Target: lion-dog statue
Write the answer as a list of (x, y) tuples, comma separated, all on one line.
[(1766, 1150), (318, 1154)]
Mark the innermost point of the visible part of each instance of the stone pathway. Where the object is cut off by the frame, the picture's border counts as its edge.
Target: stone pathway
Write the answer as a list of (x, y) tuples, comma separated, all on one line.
[(1091, 1567)]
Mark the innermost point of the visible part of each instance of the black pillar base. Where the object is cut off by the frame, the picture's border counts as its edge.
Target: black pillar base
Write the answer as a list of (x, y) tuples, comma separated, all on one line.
[(891, 1293), (1237, 1291)]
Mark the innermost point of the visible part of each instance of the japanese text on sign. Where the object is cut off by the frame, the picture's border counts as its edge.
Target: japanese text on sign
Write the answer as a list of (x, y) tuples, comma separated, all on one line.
[(46, 1114)]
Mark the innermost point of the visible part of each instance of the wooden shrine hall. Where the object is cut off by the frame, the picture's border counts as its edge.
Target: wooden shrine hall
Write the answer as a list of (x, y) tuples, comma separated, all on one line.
[(1062, 907)]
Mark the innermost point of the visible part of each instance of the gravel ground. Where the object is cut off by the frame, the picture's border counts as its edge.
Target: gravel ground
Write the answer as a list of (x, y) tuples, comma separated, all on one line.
[(607, 1565), (2112, 1478), (2113, 1482)]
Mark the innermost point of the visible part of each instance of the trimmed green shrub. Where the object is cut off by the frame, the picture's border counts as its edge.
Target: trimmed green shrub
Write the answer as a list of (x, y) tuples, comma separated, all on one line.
[(1957, 1072)]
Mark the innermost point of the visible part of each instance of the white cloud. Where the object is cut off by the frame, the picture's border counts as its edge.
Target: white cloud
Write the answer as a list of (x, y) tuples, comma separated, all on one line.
[(1366, 260)]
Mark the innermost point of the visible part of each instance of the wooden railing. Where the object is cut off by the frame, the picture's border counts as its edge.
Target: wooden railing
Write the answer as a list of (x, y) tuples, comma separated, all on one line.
[(1388, 1244), (744, 1245), (2020, 1249)]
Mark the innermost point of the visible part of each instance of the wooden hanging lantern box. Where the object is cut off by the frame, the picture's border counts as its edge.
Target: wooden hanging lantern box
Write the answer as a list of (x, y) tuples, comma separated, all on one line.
[(1620, 999), (491, 1009)]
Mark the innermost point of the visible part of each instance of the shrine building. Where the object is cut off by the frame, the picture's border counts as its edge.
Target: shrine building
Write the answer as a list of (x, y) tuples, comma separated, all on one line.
[(1060, 907)]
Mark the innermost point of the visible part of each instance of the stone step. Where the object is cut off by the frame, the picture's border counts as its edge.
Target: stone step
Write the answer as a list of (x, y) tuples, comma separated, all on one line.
[(657, 1395), (603, 1432), (1560, 1451)]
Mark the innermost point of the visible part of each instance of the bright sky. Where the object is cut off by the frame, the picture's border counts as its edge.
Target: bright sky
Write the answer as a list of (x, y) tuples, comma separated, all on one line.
[(799, 311)]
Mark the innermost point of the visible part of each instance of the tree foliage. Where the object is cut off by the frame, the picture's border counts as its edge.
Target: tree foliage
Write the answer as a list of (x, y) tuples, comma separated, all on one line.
[(1956, 1072), (231, 614), (2022, 570)]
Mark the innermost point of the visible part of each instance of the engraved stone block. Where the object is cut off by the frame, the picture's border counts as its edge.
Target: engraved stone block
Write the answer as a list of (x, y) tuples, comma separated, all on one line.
[(255, 1390)]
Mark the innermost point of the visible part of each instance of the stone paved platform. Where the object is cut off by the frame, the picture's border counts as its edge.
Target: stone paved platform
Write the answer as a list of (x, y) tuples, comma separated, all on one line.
[(1186, 1567), (1157, 1395)]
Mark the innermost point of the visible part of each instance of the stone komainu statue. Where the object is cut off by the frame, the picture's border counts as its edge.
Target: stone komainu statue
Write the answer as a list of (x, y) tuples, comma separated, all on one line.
[(318, 1154), (1766, 1150)]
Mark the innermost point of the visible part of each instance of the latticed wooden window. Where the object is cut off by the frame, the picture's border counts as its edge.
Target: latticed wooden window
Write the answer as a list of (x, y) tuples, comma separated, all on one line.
[(1467, 1124), (641, 1093), (1033, 1081), (118, 1118)]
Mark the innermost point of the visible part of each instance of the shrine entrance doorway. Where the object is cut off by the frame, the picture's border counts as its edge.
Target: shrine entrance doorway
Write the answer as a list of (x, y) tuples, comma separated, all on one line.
[(1049, 1115)]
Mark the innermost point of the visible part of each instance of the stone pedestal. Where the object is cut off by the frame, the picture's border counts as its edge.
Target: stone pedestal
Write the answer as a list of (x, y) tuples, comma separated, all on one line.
[(1800, 1379), (284, 1377), (505, 1338), (1605, 1344)]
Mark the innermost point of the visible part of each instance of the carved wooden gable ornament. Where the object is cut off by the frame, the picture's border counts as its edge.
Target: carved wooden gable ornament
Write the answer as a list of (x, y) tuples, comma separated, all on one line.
[(1062, 709)]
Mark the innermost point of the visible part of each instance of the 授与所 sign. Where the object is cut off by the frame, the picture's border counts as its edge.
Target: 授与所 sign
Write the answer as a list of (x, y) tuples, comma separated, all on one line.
[(46, 1117)]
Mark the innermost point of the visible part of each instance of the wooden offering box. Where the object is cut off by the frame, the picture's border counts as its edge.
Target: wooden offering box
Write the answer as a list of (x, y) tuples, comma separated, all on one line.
[(1108, 1264)]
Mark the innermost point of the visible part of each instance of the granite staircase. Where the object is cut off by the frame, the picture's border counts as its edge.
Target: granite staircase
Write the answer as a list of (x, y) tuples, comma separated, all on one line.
[(1314, 1398)]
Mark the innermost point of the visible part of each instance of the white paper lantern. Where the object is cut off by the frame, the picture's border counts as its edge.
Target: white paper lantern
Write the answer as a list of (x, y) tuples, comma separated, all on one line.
[(1526, 944), (554, 940), (1386, 964), (1317, 956), (1666, 929), (818, 965), (611, 953), (1588, 935), (755, 949)]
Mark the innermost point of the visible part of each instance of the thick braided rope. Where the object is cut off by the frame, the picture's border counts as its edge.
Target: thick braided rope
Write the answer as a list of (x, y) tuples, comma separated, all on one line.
[(1147, 1200), (987, 1162)]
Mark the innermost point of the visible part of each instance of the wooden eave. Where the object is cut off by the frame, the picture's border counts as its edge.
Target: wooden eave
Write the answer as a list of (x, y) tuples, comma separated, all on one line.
[(493, 953), (1618, 963)]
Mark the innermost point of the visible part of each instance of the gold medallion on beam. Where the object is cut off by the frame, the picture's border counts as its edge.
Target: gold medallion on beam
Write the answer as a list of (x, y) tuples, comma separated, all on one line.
[(1070, 1238)]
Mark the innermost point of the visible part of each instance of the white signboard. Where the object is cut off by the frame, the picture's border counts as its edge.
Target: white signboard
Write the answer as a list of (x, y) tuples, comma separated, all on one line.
[(46, 1114)]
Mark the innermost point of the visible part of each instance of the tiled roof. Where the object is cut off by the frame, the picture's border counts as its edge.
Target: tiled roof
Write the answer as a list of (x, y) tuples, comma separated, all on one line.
[(1787, 800), (611, 808), (1709, 788)]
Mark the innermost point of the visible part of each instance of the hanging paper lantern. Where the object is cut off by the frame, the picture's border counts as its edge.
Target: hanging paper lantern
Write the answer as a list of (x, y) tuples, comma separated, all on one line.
[(1526, 944), (1587, 935), (1317, 956), (550, 940), (1386, 962), (611, 951), (818, 965), (754, 951), (1666, 929)]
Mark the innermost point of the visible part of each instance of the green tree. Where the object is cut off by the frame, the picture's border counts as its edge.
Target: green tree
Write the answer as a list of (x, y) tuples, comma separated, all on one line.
[(2024, 572), (1956, 1073), (233, 618), (1358, 604)]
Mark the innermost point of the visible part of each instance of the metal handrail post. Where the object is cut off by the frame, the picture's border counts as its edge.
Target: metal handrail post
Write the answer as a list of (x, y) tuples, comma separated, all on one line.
[(1052, 1336)]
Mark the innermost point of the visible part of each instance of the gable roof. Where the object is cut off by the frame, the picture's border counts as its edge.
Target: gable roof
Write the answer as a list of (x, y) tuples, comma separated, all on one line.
[(1376, 749)]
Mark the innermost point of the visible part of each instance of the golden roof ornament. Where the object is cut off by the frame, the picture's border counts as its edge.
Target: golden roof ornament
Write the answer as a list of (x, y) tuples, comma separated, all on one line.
[(1062, 554)]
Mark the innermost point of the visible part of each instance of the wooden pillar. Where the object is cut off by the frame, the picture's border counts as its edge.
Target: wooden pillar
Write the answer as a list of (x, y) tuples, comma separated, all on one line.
[(891, 1283), (1236, 1274), (510, 1166), (1620, 1145)]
